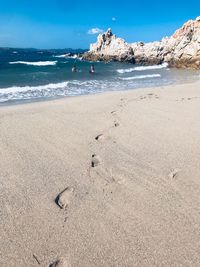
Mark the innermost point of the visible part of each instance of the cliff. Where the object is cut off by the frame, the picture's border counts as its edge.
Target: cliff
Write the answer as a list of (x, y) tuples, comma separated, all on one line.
[(181, 50)]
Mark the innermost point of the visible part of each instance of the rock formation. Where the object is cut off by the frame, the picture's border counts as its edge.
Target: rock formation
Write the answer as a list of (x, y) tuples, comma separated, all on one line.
[(180, 50), (109, 47)]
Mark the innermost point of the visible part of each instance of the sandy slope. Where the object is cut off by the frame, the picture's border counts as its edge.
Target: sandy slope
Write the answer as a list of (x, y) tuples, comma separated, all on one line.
[(139, 207)]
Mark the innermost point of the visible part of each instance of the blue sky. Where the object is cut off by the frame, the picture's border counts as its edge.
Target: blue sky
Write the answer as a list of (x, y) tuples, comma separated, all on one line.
[(67, 23)]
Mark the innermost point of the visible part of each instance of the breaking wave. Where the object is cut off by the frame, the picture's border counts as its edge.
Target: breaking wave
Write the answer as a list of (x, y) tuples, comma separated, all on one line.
[(140, 77), (62, 56), (67, 56), (67, 88), (39, 63), (18, 89), (142, 68)]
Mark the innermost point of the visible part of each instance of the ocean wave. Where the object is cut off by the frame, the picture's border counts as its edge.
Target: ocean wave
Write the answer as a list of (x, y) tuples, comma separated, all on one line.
[(74, 56), (20, 89), (65, 88), (141, 68), (140, 77), (39, 63), (61, 56), (67, 56)]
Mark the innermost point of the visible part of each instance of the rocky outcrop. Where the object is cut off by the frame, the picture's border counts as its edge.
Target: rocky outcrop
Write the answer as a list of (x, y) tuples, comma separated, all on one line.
[(180, 50), (183, 48), (109, 47)]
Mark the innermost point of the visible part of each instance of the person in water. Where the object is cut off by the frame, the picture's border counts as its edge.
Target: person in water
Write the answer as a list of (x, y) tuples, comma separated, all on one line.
[(92, 70), (74, 68)]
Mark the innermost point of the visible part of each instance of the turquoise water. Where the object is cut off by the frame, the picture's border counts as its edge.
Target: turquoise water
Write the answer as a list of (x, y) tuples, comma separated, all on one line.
[(30, 75)]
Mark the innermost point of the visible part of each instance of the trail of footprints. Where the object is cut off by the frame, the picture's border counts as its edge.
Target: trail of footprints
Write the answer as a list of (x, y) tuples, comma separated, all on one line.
[(186, 99), (149, 96), (96, 160), (64, 198)]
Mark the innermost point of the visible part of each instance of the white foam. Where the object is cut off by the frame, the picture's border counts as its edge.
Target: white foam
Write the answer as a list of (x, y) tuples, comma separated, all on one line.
[(140, 77), (74, 56), (68, 56), (39, 63), (141, 68), (67, 88), (21, 89), (61, 56)]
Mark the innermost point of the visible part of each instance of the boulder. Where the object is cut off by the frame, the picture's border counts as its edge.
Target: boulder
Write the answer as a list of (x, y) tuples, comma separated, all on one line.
[(109, 47)]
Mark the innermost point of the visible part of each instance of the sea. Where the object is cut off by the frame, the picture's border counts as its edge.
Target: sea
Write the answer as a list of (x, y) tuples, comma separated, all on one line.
[(28, 75)]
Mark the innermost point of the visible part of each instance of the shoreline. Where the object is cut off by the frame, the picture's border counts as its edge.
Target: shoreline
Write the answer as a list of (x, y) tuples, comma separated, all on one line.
[(135, 203), (63, 98)]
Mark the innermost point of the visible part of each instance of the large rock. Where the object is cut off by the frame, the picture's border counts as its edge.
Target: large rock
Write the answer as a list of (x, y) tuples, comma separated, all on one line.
[(184, 45), (182, 49), (109, 47)]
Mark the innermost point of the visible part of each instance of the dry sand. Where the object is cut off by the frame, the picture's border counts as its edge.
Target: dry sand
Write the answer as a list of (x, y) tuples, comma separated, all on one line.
[(137, 205)]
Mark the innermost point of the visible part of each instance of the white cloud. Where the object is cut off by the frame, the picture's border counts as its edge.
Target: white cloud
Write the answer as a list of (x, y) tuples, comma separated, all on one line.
[(95, 31), (114, 19)]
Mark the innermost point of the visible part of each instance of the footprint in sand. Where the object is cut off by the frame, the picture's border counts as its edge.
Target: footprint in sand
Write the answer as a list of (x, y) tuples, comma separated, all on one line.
[(143, 97), (173, 173), (150, 94), (124, 100), (62, 262), (115, 117), (64, 198), (96, 160), (122, 103), (99, 137)]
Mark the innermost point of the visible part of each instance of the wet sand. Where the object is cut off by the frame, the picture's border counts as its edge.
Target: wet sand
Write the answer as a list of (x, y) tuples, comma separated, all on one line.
[(102, 180)]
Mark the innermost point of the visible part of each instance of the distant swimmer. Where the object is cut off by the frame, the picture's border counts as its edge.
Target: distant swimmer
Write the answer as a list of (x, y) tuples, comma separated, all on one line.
[(92, 70), (74, 68)]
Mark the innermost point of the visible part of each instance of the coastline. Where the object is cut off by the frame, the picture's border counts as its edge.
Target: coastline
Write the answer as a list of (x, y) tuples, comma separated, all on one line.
[(112, 92), (55, 79), (138, 207)]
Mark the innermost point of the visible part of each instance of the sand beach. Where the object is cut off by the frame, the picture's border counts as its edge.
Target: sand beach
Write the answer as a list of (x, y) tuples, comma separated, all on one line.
[(110, 179)]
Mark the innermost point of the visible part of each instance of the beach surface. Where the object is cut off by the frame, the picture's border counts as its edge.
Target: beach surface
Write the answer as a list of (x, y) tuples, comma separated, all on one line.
[(128, 164)]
